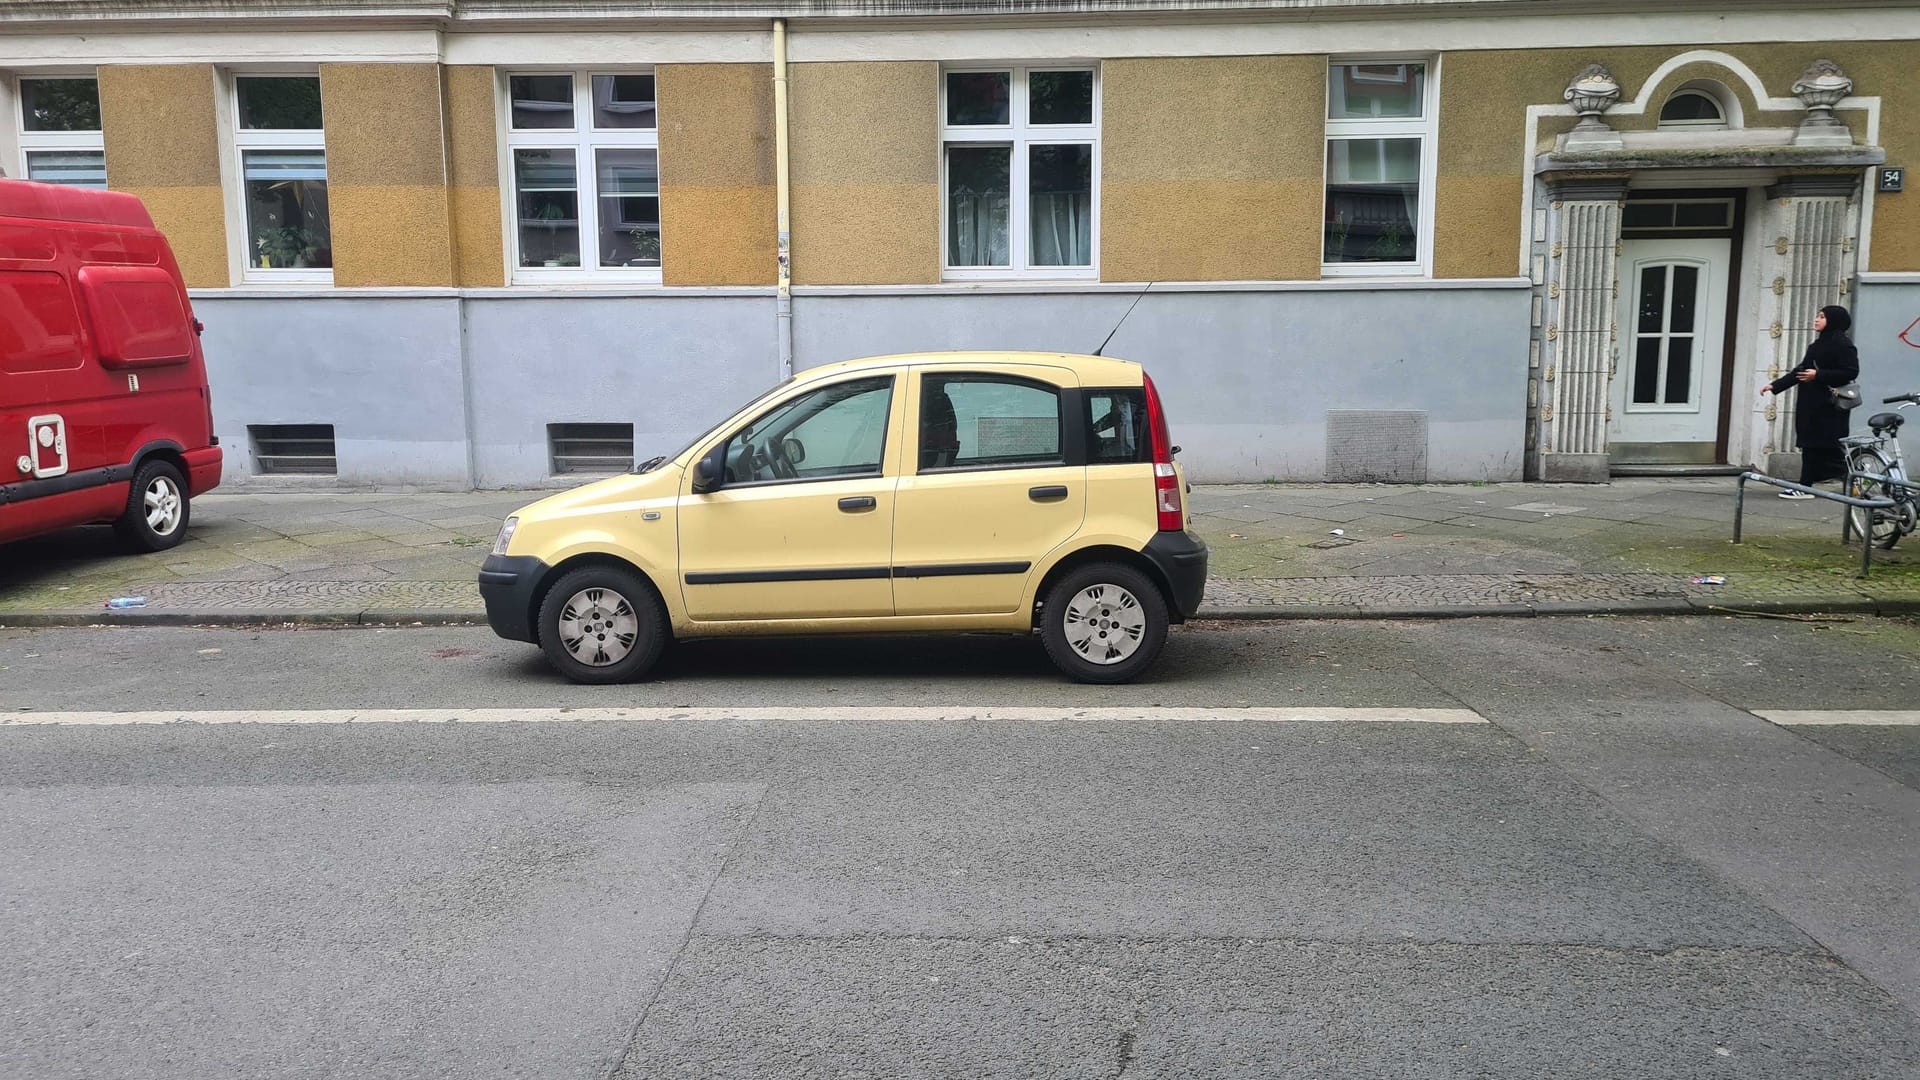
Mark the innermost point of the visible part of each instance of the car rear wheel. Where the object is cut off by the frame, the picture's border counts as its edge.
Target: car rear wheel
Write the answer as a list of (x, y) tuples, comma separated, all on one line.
[(1104, 623), (157, 508), (602, 624)]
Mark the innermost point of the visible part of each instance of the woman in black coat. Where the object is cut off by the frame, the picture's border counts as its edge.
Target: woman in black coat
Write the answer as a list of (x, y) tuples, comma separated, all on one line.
[(1819, 424)]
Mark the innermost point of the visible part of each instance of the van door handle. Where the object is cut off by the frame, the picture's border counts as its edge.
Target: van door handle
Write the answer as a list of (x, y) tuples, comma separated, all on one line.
[(1048, 492), (859, 502)]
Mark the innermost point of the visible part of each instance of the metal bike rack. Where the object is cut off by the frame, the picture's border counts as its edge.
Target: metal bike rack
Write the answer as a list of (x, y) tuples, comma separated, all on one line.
[(1846, 521)]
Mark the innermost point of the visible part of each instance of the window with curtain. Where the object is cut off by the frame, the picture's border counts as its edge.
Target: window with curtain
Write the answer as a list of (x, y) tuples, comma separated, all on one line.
[(283, 176), (60, 141), (1379, 133), (1020, 149), (586, 176)]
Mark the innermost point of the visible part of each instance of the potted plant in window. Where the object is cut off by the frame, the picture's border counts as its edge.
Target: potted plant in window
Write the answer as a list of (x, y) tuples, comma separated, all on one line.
[(283, 248)]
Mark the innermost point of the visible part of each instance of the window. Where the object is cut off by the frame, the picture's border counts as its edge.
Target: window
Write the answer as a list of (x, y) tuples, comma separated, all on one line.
[(1021, 147), (60, 139), (586, 176), (834, 432), (1117, 427), (283, 174), (1379, 161), (1694, 109), (986, 422)]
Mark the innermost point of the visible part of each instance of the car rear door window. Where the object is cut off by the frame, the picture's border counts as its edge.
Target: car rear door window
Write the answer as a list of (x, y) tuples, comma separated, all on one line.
[(981, 421)]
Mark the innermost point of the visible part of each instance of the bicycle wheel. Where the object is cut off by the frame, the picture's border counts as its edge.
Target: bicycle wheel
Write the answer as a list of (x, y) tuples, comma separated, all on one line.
[(1884, 525)]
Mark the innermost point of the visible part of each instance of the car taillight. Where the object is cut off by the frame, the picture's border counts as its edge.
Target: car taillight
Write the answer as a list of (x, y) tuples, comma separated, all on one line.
[(1166, 482)]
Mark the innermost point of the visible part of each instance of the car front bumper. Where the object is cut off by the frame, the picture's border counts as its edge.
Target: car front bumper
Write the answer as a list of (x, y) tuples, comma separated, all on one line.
[(507, 584)]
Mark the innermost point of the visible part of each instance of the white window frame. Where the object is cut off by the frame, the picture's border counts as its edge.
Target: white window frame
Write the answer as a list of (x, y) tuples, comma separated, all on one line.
[(1019, 135), (1425, 127), (245, 139), (43, 141), (583, 139)]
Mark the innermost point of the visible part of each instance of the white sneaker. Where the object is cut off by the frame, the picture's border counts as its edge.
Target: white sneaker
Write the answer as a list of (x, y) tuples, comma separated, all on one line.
[(1795, 495)]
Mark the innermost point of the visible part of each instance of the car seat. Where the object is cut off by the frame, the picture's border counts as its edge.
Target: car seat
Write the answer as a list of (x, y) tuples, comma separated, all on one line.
[(939, 429)]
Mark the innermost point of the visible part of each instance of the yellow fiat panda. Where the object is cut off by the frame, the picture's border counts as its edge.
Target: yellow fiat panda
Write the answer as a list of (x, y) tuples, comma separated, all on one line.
[(1016, 492)]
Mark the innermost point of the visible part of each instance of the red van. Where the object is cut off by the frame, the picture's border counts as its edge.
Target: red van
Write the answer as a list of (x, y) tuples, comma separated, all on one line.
[(104, 410)]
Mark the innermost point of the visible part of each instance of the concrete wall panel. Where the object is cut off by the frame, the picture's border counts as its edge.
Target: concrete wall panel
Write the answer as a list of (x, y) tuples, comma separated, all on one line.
[(162, 141), (386, 174), (473, 176), (1888, 365), (717, 200), (386, 373), (671, 366), (866, 173), (1211, 168)]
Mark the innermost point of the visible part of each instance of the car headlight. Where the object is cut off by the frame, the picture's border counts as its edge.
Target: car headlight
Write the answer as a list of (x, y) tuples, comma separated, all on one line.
[(506, 535)]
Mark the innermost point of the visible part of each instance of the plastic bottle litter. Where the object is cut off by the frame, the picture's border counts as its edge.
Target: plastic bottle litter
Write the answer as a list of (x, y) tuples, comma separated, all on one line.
[(127, 602)]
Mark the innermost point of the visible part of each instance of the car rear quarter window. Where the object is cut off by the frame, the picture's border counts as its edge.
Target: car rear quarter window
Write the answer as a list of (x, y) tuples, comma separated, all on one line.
[(1116, 427)]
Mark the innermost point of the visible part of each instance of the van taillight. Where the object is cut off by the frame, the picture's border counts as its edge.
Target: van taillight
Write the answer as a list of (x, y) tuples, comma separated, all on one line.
[(1166, 482)]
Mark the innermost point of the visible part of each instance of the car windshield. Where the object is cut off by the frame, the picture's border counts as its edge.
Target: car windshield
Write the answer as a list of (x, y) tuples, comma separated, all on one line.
[(653, 463)]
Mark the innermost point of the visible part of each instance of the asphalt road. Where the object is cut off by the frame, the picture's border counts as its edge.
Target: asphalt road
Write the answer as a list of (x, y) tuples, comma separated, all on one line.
[(1617, 869)]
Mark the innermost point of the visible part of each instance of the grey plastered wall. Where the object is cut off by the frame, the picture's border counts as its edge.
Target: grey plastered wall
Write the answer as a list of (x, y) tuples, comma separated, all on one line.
[(1248, 375), (1888, 365), (385, 372), (671, 366)]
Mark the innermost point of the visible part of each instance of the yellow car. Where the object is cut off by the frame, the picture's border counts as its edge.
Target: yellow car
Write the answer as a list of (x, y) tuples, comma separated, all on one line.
[(985, 491)]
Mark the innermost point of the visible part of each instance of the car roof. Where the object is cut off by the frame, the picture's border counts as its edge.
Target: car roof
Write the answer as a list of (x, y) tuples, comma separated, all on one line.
[(1090, 370), (56, 202)]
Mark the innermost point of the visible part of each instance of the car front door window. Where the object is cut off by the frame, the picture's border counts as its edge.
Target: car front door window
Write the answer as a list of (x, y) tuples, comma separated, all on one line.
[(834, 432)]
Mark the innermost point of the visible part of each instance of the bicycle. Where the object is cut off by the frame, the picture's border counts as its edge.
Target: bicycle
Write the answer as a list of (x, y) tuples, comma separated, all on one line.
[(1878, 455)]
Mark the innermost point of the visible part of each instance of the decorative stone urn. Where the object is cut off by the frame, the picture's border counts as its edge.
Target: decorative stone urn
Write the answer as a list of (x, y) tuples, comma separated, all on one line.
[(1820, 89), (1591, 93)]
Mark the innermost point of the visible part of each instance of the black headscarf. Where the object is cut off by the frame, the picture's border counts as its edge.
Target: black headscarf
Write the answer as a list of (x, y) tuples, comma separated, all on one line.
[(1838, 321)]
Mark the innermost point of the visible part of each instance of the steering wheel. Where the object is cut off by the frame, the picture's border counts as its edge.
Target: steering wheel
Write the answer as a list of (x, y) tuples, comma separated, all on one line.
[(777, 461), (763, 468)]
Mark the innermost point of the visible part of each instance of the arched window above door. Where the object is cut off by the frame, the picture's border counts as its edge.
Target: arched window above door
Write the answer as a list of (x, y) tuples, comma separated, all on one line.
[(1697, 107)]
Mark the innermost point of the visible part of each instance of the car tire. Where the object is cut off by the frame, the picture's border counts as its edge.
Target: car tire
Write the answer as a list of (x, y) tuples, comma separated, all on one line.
[(1104, 623), (590, 615), (157, 508)]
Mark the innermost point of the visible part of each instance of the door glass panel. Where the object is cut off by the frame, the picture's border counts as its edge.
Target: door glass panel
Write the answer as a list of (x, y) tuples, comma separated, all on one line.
[(979, 422), (1653, 297), (1686, 289), (1646, 371), (1679, 370), (838, 430)]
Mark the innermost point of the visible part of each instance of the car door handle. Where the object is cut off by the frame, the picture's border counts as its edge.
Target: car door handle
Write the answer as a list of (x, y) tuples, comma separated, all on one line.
[(1047, 492), (859, 502)]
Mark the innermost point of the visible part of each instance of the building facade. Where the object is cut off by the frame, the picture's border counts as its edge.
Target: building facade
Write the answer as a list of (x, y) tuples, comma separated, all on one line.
[(500, 242)]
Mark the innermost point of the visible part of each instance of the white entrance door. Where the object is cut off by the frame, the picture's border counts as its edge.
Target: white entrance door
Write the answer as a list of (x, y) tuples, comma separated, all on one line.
[(1666, 386)]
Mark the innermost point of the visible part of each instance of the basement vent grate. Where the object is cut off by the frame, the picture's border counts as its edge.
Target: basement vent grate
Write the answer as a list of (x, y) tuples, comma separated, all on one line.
[(1366, 447), (296, 449), (590, 448)]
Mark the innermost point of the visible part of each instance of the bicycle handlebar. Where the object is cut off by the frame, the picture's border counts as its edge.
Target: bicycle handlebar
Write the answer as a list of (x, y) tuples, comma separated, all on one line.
[(1914, 398)]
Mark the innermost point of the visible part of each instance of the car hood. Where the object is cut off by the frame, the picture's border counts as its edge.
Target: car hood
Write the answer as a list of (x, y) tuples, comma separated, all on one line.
[(660, 485)]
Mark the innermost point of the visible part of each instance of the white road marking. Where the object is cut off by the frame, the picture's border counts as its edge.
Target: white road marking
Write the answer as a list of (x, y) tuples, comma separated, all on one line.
[(1840, 717), (918, 714)]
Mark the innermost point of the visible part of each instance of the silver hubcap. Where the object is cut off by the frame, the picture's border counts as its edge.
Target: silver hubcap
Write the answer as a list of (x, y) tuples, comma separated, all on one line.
[(598, 627), (163, 506), (1105, 624)]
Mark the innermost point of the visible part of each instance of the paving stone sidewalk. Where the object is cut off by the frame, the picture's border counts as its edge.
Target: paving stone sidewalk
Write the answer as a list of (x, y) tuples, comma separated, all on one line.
[(1280, 550)]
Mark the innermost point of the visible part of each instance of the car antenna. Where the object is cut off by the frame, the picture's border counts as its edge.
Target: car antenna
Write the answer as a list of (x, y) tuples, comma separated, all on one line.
[(1123, 318)]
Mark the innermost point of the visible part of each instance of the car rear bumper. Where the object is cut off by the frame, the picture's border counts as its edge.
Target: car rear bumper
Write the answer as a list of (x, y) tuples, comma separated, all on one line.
[(507, 583), (203, 469), (1181, 558)]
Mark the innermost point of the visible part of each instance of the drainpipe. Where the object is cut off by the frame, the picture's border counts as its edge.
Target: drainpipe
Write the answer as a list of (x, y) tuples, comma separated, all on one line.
[(782, 184)]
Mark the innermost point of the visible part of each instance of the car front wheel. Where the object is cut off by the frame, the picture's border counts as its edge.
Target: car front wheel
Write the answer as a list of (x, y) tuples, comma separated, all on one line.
[(602, 624), (1104, 623)]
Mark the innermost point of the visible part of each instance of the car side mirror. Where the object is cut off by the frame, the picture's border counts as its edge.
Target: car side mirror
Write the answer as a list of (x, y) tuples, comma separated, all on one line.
[(710, 471)]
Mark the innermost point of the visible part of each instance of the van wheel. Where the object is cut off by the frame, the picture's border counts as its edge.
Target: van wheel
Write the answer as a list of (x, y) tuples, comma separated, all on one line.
[(602, 624), (157, 509), (1104, 623)]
